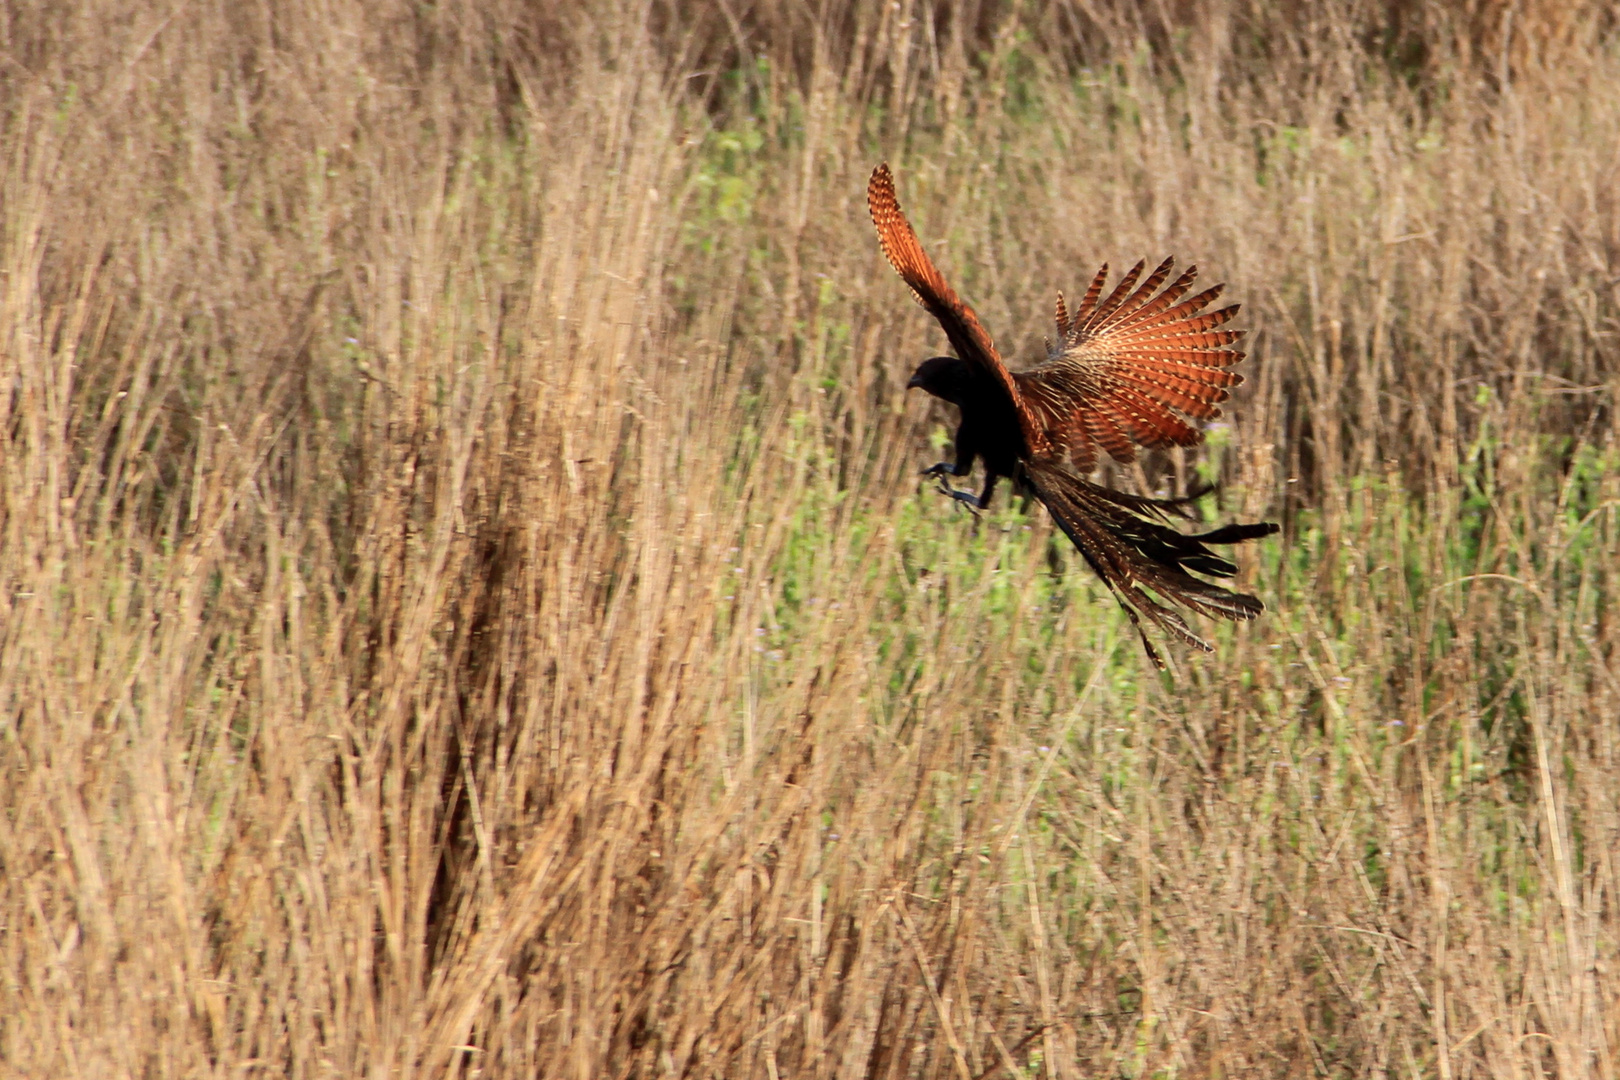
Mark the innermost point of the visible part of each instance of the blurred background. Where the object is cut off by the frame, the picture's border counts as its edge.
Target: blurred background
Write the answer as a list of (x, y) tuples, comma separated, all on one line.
[(468, 608)]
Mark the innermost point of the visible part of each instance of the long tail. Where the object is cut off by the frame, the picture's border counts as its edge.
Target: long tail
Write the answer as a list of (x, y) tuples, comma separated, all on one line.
[(1126, 541)]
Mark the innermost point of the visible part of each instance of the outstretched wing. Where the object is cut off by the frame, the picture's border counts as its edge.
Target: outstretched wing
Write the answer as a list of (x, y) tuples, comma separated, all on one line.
[(1131, 368), (905, 253), (1125, 540)]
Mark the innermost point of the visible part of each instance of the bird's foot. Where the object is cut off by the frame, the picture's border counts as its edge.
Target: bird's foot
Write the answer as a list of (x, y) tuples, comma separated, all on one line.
[(941, 469), (967, 498)]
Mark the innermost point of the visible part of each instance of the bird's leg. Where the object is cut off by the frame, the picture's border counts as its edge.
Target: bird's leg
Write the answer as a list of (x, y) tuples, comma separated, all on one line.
[(990, 478), (965, 453)]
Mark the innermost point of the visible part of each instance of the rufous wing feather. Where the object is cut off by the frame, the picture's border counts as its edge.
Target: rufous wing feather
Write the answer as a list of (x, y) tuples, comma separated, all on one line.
[(1134, 368), (905, 253)]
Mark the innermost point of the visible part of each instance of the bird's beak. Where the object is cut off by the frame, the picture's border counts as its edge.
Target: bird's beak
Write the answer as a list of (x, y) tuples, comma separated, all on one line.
[(915, 383)]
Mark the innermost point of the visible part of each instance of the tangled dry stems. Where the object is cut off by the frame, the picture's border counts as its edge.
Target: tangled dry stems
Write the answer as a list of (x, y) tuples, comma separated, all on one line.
[(467, 607)]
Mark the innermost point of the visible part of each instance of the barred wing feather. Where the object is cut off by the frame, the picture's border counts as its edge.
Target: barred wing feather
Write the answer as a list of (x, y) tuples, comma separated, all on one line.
[(905, 253), (1132, 368)]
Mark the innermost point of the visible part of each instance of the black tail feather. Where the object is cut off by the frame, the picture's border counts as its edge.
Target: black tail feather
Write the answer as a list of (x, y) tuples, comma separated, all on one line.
[(1124, 539), (1236, 534)]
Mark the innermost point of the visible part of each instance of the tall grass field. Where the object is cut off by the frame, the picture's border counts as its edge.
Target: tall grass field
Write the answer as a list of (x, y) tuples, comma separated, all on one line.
[(468, 606)]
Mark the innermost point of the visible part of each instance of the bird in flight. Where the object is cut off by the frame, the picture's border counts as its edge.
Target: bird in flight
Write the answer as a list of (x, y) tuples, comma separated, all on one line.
[(1128, 369)]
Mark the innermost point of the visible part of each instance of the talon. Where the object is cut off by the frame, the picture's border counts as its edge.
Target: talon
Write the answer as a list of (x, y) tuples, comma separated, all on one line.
[(939, 469), (967, 497)]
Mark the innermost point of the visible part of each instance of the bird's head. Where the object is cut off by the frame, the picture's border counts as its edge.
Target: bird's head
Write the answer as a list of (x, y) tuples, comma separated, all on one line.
[(945, 377)]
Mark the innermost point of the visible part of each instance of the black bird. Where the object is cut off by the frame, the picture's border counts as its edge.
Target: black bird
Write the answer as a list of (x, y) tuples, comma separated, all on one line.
[(1125, 370)]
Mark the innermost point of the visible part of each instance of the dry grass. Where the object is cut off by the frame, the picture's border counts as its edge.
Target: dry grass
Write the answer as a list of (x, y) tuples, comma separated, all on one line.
[(466, 606)]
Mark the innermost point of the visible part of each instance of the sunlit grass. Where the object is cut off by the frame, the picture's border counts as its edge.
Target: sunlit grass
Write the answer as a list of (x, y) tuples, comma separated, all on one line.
[(468, 604)]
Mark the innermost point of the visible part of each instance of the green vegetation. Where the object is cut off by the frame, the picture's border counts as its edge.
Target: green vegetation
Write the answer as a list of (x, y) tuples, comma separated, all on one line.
[(468, 606)]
